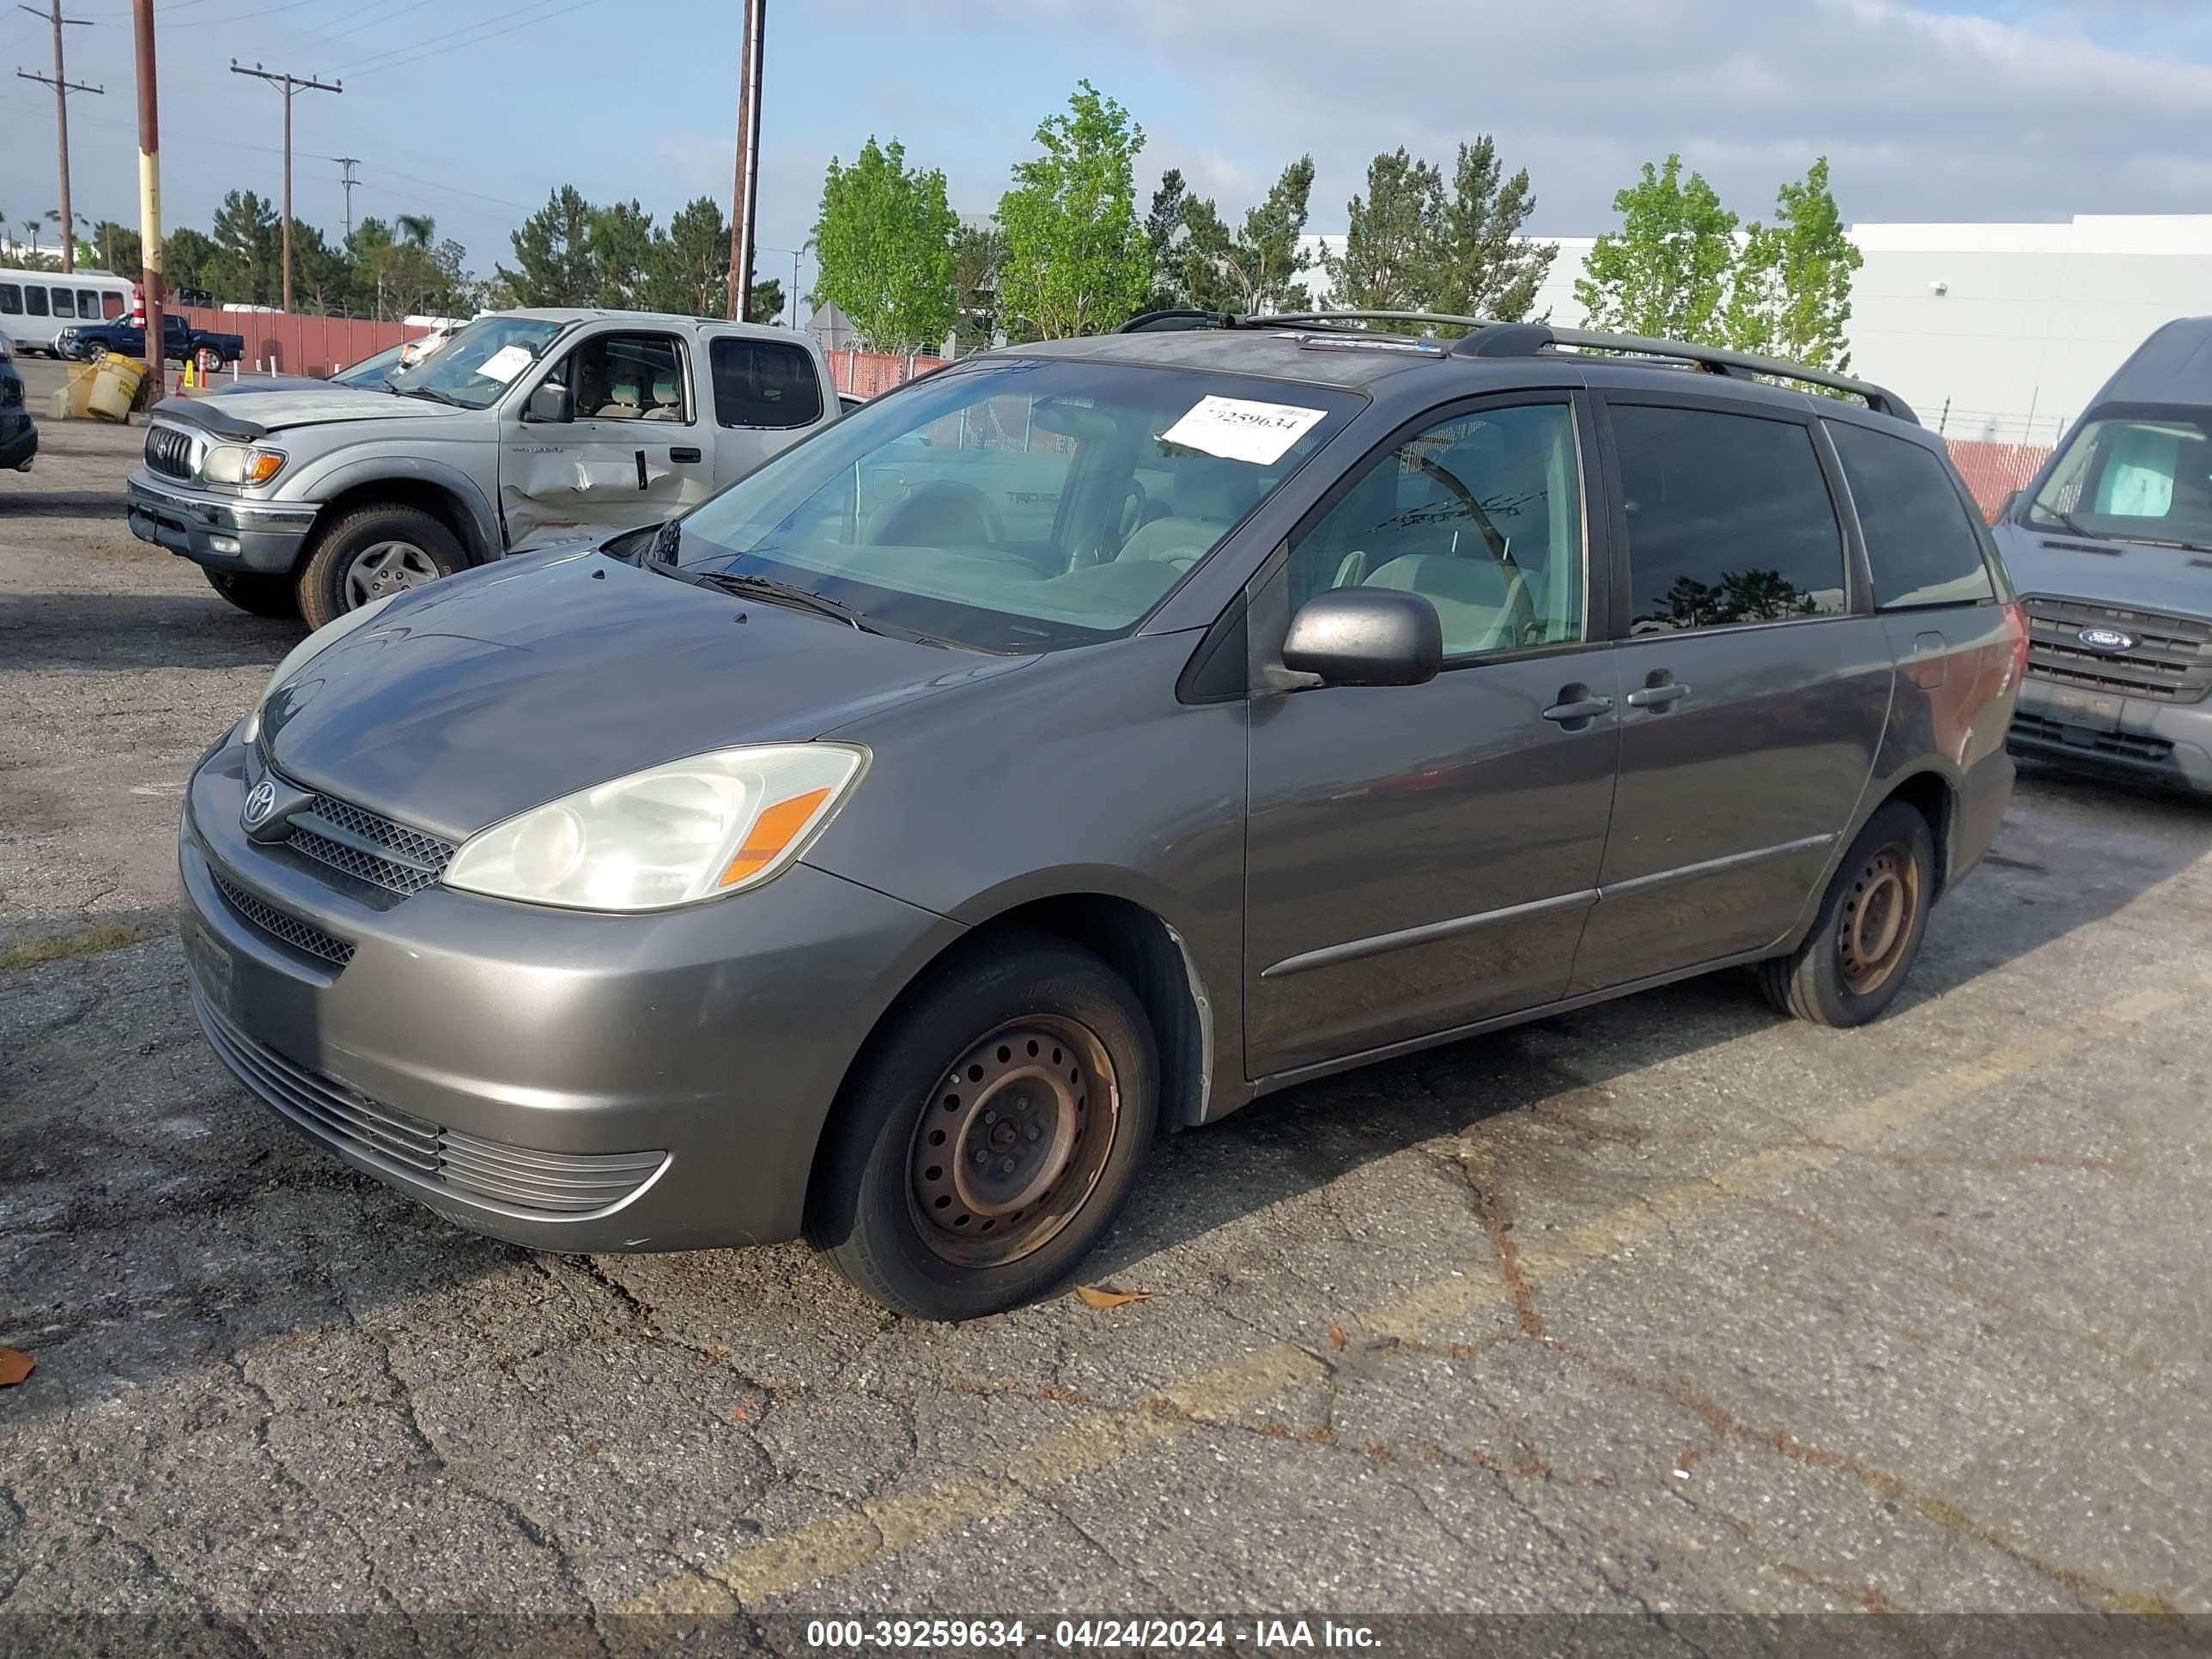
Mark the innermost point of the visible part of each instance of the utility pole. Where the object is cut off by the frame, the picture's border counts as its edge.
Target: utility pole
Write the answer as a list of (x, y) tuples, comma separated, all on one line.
[(149, 200), (348, 162), (748, 180), (62, 87), (288, 84)]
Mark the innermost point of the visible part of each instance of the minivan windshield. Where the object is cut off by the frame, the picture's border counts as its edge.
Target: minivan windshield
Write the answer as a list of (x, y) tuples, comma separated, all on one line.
[(2142, 477), (479, 363), (1016, 504)]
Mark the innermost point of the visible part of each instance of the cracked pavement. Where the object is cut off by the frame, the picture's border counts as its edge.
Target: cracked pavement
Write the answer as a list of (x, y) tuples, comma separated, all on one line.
[(1665, 1309)]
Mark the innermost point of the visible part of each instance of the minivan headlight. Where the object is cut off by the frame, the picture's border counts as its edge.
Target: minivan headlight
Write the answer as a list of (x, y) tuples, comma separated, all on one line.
[(317, 642), (691, 829), (240, 464)]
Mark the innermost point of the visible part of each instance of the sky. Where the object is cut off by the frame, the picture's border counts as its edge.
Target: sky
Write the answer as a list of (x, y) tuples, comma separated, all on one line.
[(473, 110)]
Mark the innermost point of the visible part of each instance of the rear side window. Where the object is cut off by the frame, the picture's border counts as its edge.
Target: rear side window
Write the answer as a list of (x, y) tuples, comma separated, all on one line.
[(35, 300), (11, 300), (88, 302), (64, 303), (1922, 547), (1729, 520), (764, 383), (110, 306)]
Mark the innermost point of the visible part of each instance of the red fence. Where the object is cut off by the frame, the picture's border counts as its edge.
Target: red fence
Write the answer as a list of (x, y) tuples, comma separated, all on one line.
[(1993, 471), (863, 373), (287, 342)]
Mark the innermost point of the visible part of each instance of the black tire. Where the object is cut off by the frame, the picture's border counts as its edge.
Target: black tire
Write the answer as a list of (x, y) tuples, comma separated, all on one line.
[(329, 581), (1837, 976), (258, 596), (875, 1175)]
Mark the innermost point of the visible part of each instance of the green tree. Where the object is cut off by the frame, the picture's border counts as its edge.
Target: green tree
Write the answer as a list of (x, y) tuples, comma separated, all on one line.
[(1484, 266), (767, 299), (249, 250), (118, 248), (190, 260), (979, 251), (1251, 269), (689, 271), (1077, 260), (620, 244), (1792, 294), (553, 254), (417, 228), (883, 241), (1665, 273), (321, 276), (1392, 236), (1164, 234)]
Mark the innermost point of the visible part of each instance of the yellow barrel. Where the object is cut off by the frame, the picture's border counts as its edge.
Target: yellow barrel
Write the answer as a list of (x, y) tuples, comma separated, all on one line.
[(114, 387)]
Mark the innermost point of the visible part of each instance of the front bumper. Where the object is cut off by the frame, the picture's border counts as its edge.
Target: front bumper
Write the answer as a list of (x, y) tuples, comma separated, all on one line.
[(2168, 743), (563, 1080), (223, 532)]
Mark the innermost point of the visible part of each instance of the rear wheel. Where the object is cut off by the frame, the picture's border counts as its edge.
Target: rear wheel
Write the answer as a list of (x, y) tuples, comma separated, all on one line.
[(258, 595), (990, 1134), (1873, 918), (371, 552)]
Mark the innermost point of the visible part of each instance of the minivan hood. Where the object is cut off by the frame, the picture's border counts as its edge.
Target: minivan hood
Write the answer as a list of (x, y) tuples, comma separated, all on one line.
[(522, 681), (2128, 574)]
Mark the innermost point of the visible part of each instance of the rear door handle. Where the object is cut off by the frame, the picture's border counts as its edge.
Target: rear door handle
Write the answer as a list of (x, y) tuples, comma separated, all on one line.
[(1657, 696), (684, 454), (1582, 708)]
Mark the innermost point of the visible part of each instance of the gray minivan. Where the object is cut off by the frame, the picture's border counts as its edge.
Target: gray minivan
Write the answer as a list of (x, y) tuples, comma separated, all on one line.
[(2111, 544), (885, 852)]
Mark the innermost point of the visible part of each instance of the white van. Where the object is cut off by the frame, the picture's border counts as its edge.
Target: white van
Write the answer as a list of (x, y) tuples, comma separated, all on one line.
[(36, 306)]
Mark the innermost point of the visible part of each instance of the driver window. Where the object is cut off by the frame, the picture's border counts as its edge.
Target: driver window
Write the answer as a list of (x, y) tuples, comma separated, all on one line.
[(628, 377), (1481, 514)]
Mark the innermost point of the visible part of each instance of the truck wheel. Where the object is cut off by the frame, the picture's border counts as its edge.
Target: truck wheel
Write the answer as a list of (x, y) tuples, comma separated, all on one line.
[(372, 551), (989, 1133), (258, 596), (1873, 917)]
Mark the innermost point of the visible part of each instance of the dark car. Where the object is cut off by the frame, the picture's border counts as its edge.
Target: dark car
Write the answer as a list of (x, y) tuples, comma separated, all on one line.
[(2111, 544), (19, 435), (888, 868)]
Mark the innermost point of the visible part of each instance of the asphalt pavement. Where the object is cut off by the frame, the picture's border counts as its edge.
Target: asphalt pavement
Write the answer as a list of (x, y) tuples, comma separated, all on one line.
[(1662, 1310)]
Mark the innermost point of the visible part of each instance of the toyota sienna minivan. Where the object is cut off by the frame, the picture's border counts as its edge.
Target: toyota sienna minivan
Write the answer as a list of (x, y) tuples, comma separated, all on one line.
[(1078, 744)]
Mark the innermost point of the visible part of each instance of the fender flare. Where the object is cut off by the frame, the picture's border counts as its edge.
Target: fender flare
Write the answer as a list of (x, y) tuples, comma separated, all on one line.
[(480, 520)]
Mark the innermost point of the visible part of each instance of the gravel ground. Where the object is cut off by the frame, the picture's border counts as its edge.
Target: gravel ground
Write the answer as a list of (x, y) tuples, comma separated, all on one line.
[(1664, 1308)]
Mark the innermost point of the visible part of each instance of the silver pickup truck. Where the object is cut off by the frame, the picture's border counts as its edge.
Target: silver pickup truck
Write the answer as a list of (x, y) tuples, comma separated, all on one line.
[(528, 427)]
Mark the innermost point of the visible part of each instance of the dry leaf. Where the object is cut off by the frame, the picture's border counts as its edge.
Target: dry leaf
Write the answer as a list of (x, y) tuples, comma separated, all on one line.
[(1100, 1295), (13, 1367), (1335, 1334)]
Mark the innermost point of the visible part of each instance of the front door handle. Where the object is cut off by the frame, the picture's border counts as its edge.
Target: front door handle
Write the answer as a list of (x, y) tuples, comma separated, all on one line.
[(684, 454), (1582, 708), (1657, 696)]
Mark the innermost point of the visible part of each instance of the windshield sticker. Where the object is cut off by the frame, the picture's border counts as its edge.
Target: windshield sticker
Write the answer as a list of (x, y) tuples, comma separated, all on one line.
[(504, 364), (1238, 429)]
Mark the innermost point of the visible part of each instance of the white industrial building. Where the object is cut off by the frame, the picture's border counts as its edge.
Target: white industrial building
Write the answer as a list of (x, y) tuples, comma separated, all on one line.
[(2012, 326)]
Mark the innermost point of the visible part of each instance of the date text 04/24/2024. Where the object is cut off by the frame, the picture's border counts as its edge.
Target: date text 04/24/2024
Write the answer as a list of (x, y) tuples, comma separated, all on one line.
[(940, 1634)]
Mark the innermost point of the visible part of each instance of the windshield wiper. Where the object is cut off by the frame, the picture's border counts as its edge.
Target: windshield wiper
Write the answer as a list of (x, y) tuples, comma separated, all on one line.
[(2066, 522), (790, 593), (433, 392)]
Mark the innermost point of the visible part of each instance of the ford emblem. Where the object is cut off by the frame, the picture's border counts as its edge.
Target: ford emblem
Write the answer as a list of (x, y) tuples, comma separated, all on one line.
[(2107, 639), (260, 802)]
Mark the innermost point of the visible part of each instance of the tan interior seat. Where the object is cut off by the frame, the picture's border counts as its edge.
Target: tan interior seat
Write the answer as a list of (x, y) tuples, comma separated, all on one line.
[(623, 402), (667, 403), (1207, 497), (1483, 604)]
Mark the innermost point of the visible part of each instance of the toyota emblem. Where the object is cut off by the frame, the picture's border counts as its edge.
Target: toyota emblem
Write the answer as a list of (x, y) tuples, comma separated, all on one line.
[(2107, 639), (260, 802)]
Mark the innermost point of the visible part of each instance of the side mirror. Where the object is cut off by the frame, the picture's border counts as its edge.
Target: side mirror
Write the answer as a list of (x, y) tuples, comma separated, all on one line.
[(1366, 636), (552, 403)]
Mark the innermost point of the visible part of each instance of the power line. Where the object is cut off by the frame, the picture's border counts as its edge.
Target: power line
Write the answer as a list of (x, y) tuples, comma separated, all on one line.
[(62, 87), (290, 85), (377, 63)]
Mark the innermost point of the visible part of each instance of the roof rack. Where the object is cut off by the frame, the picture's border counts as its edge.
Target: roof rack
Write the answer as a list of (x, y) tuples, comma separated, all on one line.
[(1717, 360)]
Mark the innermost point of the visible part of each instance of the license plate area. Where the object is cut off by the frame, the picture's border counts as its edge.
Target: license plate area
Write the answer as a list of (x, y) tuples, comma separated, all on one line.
[(2093, 711), (212, 966)]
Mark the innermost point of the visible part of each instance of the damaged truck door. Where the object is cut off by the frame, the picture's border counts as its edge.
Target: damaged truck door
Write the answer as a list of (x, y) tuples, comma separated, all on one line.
[(631, 424)]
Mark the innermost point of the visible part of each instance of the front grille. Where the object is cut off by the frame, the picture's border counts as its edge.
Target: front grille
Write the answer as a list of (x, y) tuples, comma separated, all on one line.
[(368, 848), (544, 1183), (2156, 751), (169, 451), (286, 929), (2171, 661)]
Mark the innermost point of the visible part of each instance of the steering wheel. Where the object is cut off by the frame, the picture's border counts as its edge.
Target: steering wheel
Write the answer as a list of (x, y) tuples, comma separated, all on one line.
[(1489, 530), (942, 514)]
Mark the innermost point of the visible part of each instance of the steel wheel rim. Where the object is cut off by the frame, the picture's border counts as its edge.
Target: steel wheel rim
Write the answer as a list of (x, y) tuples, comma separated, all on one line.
[(383, 567), (1012, 1140), (1878, 917)]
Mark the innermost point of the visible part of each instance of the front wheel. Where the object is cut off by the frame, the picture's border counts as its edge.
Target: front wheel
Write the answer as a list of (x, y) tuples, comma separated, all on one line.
[(1873, 918), (371, 552), (990, 1134)]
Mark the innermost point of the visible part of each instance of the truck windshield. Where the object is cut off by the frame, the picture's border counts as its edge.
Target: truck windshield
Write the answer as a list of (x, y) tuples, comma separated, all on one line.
[(2146, 477), (479, 364), (1020, 504)]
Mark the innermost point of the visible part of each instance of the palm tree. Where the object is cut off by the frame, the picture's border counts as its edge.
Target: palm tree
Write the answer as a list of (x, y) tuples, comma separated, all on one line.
[(417, 228)]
